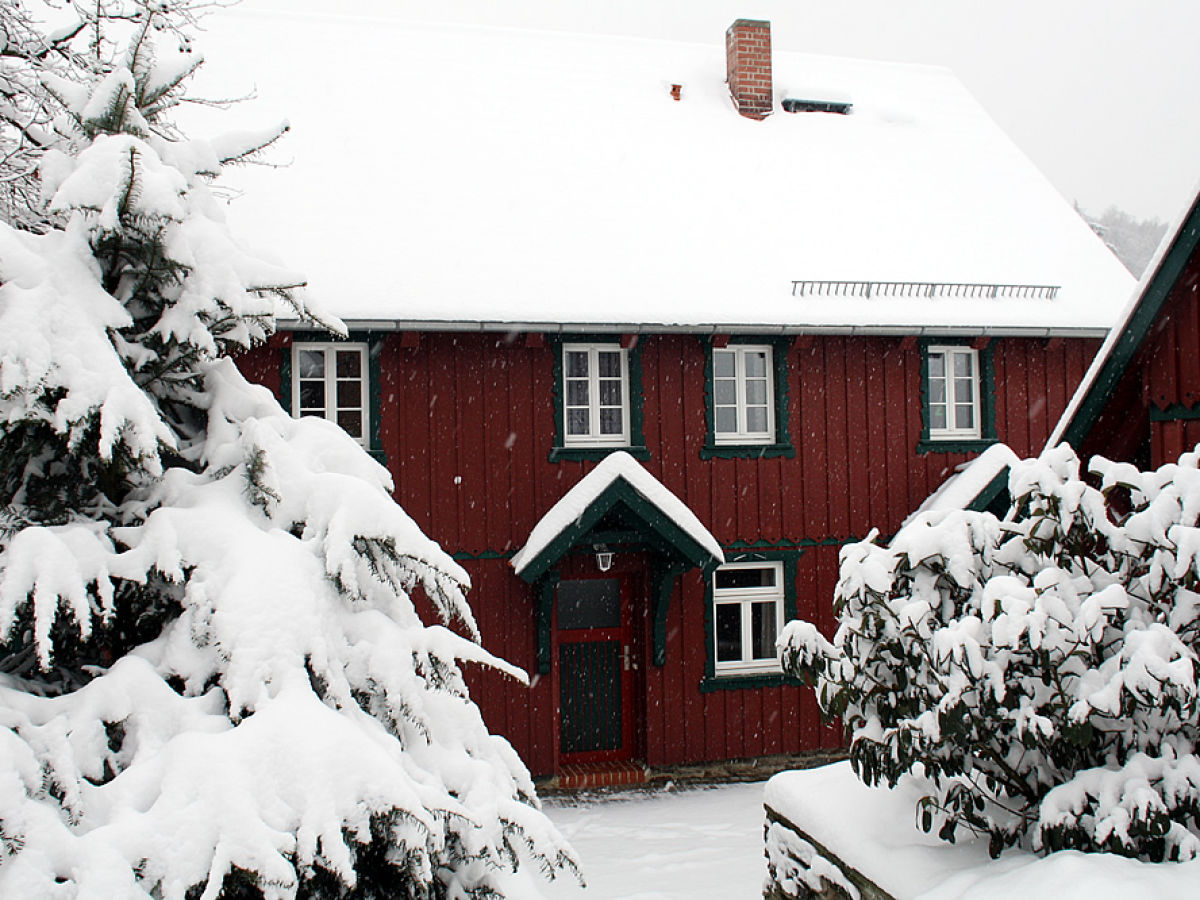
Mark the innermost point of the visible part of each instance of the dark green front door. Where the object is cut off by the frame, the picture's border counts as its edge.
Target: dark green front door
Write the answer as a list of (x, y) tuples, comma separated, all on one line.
[(593, 661)]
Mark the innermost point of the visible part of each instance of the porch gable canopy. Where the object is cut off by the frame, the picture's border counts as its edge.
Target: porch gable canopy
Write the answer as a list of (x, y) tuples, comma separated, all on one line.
[(619, 478)]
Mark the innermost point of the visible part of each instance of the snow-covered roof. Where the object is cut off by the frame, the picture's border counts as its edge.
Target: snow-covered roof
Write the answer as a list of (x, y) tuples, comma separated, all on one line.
[(492, 178), (584, 501)]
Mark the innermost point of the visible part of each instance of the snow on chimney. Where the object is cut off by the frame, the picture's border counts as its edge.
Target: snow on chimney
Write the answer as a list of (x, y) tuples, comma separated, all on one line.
[(748, 66)]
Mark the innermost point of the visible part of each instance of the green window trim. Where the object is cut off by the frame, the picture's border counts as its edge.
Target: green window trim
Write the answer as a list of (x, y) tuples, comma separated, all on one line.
[(782, 447), (710, 684), (987, 402), (560, 451), (712, 681), (593, 454), (374, 343)]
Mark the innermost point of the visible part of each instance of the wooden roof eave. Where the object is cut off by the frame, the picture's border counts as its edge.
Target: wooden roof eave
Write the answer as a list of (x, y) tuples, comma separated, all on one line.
[(1098, 390)]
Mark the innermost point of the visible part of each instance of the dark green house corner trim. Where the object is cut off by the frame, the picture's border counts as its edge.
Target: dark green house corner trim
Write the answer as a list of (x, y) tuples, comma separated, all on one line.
[(559, 451), (1175, 412), (782, 447), (1138, 326), (993, 495), (374, 342)]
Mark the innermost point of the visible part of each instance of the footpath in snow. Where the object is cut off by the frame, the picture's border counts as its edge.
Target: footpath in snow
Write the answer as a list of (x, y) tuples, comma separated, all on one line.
[(686, 844)]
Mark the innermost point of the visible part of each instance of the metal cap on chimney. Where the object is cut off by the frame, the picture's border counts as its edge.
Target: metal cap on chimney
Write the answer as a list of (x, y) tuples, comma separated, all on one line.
[(748, 66)]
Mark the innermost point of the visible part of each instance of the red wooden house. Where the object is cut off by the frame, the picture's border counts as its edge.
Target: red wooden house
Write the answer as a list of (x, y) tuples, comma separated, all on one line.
[(644, 364)]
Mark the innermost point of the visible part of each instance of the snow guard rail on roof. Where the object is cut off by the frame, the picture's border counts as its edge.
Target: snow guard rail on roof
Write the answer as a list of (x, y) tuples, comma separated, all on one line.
[(922, 289)]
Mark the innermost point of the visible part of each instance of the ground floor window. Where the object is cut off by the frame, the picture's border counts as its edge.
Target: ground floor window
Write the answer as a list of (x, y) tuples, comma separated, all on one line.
[(747, 617)]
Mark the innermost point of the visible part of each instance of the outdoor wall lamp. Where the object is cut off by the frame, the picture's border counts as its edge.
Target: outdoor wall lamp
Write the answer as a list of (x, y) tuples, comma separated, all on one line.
[(603, 557)]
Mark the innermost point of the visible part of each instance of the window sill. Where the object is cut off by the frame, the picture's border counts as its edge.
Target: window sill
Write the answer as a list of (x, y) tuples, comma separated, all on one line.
[(747, 451), (747, 682), (955, 445), (568, 454)]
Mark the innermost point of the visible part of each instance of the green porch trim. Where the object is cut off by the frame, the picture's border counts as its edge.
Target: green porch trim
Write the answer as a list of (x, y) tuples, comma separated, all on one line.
[(711, 680), (546, 588), (665, 576), (1175, 412), (987, 401), (1138, 326), (559, 452), (673, 541), (782, 447)]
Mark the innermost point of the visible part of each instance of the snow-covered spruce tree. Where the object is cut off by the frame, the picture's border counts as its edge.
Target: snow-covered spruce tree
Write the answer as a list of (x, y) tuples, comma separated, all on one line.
[(1040, 671), (214, 682), (80, 42)]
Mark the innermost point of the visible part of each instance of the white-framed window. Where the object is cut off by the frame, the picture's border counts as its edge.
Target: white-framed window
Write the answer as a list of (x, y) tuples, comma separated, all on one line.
[(595, 395), (747, 617), (953, 393), (330, 380), (743, 395)]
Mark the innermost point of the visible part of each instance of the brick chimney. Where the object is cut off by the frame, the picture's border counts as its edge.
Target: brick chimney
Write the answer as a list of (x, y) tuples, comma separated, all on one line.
[(748, 66)]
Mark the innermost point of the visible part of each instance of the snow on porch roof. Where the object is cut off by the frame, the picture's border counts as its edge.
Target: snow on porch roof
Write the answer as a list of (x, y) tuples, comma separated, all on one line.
[(619, 477), (486, 178)]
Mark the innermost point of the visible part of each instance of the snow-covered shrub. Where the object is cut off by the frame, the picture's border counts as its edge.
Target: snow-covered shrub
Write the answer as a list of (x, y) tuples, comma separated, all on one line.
[(213, 680), (1041, 670)]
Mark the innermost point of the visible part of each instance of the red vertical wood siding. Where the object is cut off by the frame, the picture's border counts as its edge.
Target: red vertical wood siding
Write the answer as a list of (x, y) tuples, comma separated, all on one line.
[(467, 426)]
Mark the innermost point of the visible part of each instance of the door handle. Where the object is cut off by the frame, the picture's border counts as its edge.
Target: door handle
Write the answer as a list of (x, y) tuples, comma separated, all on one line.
[(627, 656)]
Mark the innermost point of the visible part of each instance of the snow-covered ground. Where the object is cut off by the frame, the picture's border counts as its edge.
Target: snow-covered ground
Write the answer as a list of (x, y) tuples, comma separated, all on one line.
[(685, 844), (875, 831), (707, 844)]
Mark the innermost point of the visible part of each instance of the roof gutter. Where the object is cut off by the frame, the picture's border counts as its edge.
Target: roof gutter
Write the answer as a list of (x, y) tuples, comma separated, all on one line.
[(494, 327)]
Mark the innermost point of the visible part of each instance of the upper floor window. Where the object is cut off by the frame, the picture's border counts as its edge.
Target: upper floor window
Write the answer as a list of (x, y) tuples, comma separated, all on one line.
[(953, 393), (330, 380), (748, 616), (595, 395), (743, 395)]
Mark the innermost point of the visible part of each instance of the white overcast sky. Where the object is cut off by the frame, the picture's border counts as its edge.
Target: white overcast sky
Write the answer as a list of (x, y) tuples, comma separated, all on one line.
[(1103, 95)]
